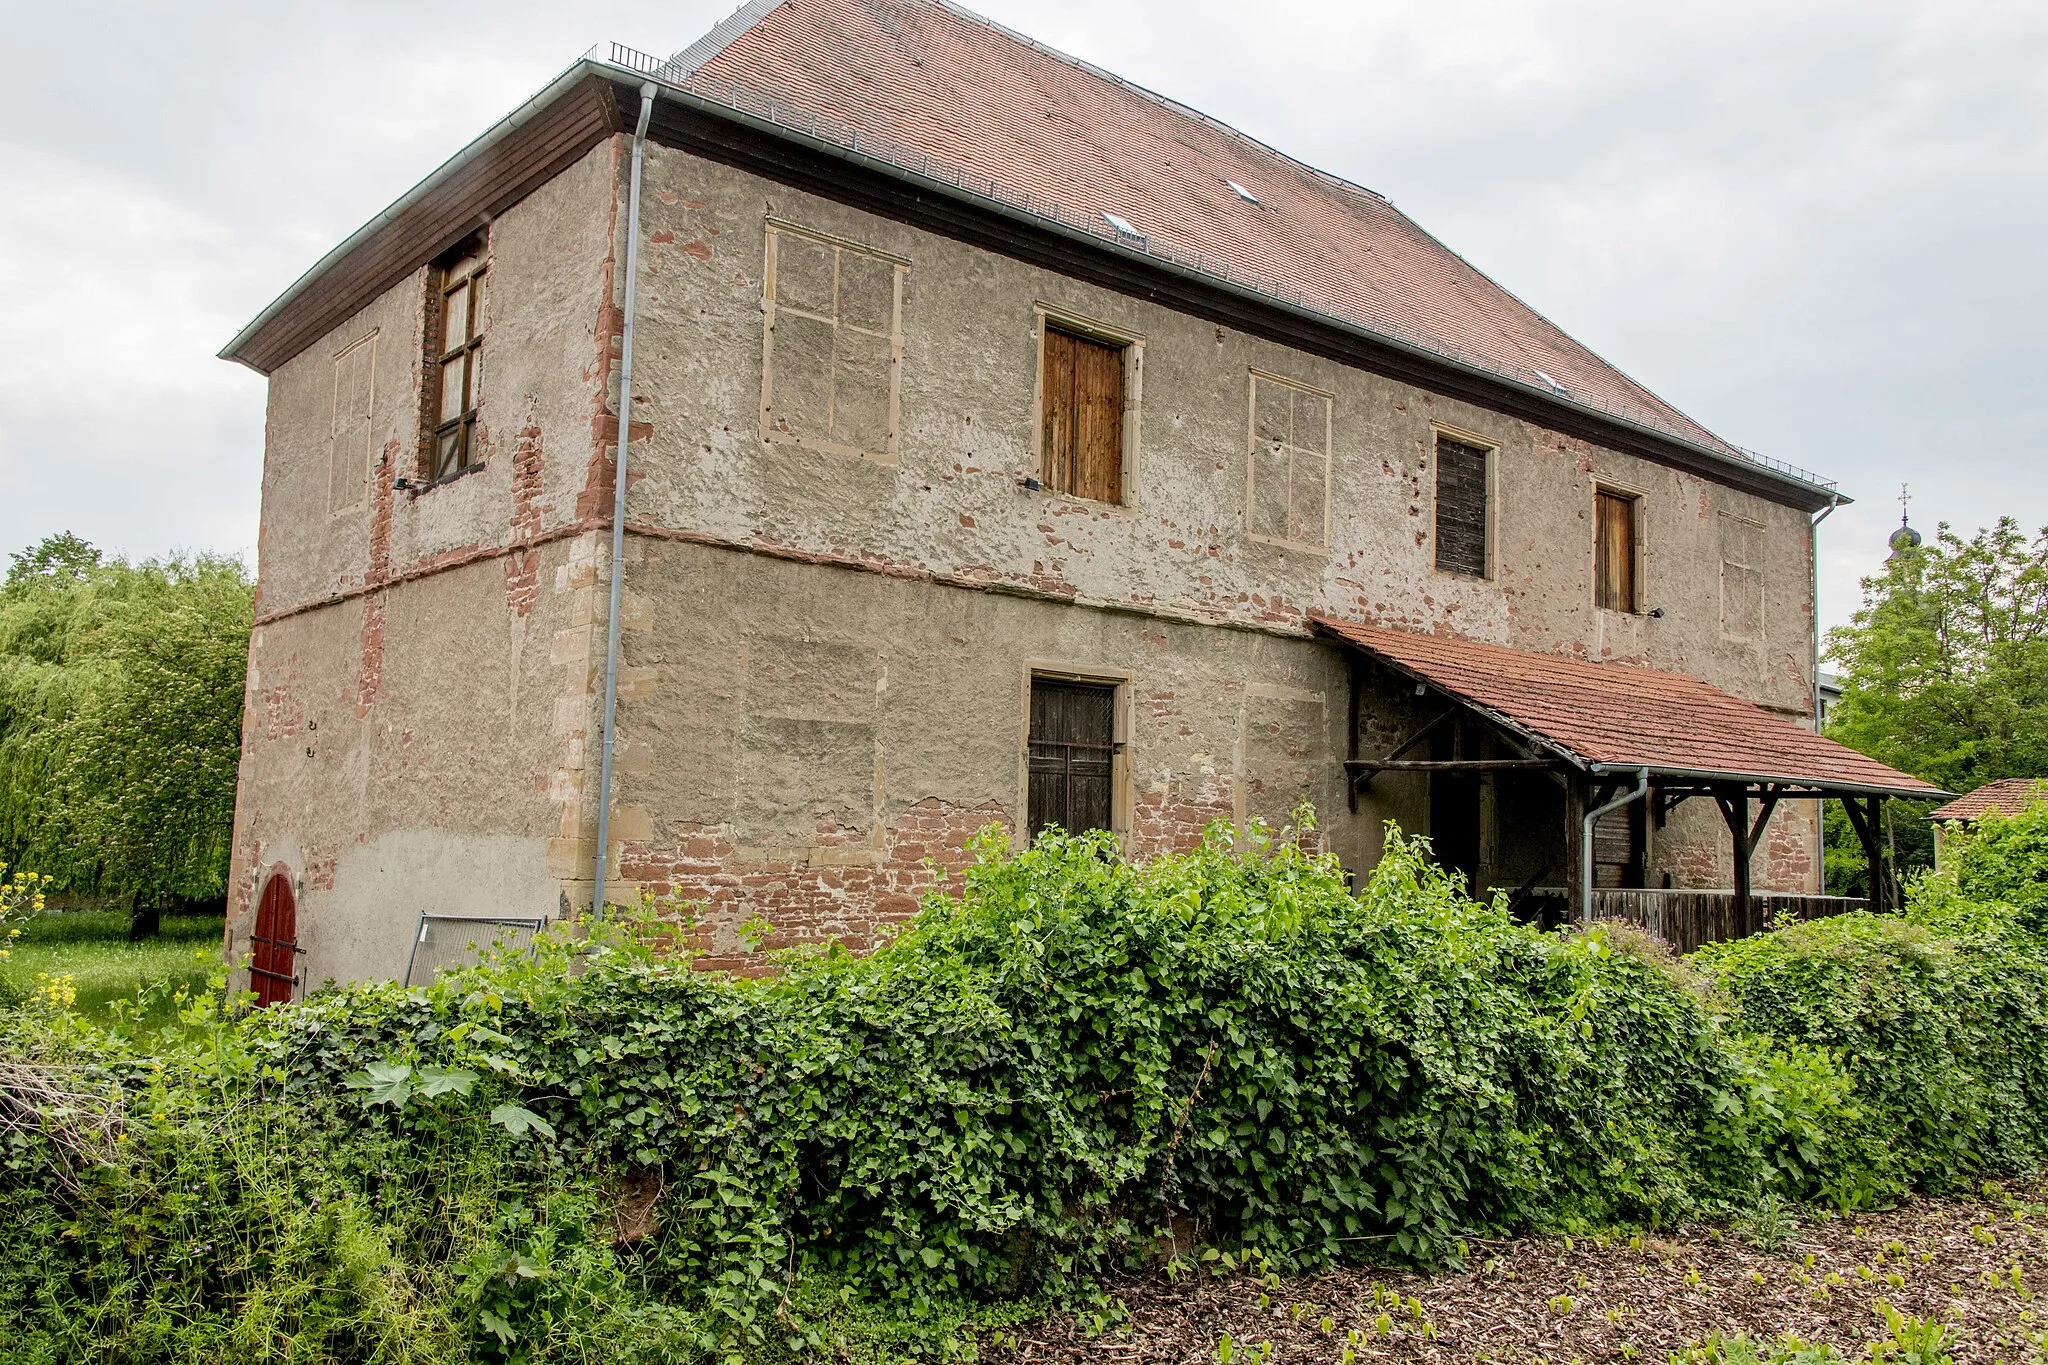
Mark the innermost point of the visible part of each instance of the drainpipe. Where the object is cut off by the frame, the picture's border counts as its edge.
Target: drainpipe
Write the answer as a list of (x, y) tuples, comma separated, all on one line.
[(611, 640), (1820, 823), (1642, 789)]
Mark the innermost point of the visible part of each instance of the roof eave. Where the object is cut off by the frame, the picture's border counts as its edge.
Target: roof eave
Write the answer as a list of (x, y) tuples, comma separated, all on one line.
[(581, 68), (1804, 493), (1809, 495)]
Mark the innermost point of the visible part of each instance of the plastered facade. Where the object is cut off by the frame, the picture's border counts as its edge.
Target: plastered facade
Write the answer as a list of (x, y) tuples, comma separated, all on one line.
[(826, 647)]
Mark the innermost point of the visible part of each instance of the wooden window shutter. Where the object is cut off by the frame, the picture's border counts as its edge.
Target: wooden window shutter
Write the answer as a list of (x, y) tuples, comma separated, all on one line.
[(1614, 551), (1460, 507), (1083, 416), (1072, 751)]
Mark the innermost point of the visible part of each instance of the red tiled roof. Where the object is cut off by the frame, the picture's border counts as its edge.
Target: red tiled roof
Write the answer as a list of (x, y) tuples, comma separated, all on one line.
[(1603, 713), (950, 85), (2008, 796)]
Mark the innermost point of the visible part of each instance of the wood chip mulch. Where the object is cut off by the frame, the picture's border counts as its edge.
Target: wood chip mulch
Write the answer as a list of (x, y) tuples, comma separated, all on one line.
[(1973, 1264)]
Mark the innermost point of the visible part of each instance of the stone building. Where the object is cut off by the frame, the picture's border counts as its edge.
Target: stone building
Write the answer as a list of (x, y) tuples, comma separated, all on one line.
[(1007, 444)]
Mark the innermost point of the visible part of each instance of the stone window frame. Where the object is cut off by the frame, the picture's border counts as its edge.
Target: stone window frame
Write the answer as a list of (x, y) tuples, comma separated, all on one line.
[(1639, 500), (1492, 447), (1132, 345), (1122, 793), (1329, 457), (775, 228), (361, 501)]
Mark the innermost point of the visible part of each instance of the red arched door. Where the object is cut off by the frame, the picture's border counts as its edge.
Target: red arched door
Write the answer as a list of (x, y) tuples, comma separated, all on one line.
[(275, 942)]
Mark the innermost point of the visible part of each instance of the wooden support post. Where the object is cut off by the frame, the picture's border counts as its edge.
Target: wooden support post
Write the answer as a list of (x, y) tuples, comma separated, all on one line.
[(1735, 810), (1865, 816), (1745, 834), (1577, 893)]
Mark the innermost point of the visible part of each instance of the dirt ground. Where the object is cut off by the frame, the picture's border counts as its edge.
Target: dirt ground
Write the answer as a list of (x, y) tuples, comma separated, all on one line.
[(1971, 1264)]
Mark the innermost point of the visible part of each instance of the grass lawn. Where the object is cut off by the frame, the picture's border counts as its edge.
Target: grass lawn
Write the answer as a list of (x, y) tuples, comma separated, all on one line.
[(92, 947)]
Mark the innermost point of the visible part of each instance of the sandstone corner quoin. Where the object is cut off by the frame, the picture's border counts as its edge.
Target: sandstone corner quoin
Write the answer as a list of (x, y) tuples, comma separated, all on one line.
[(1007, 444)]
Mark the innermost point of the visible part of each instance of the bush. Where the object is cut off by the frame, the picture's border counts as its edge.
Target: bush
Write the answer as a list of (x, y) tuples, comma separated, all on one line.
[(1068, 1064)]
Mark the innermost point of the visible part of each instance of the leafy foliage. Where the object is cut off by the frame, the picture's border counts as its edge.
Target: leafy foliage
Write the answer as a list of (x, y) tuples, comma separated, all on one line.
[(120, 719), (1066, 1065)]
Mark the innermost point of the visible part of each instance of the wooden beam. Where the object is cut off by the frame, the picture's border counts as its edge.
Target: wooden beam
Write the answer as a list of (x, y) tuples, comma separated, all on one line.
[(1367, 767)]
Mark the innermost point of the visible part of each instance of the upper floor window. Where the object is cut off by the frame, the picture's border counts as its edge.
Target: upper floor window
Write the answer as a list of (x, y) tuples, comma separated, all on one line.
[(832, 349), (1462, 507), (1614, 550), (456, 344), (1082, 410), (1287, 483)]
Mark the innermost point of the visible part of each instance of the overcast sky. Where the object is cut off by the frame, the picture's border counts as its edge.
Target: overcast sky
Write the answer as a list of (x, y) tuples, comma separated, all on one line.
[(1817, 228)]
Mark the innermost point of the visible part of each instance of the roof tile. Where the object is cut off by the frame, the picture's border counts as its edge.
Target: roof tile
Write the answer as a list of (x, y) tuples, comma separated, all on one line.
[(2008, 796), (951, 85), (1626, 716)]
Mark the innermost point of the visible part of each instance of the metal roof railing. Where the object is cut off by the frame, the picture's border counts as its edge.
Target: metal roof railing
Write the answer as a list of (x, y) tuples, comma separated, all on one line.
[(867, 144)]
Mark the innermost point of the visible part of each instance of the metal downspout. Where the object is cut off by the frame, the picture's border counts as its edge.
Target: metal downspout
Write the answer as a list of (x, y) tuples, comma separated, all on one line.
[(1586, 841), (611, 634), (1820, 822)]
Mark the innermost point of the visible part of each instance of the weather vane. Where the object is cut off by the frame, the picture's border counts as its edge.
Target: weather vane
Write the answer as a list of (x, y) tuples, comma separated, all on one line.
[(1904, 498)]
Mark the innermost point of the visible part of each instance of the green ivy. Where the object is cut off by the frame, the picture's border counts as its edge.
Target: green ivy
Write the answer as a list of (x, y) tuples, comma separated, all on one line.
[(1069, 1064)]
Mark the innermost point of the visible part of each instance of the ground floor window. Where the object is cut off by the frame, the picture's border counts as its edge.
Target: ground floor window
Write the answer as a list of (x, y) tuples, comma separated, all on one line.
[(1072, 751)]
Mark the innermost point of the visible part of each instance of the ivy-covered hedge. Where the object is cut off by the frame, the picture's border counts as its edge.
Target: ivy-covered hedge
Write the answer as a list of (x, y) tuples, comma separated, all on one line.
[(1067, 1065)]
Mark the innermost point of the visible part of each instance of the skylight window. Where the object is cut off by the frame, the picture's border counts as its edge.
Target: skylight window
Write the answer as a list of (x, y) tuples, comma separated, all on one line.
[(1243, 193), (1123, 226)]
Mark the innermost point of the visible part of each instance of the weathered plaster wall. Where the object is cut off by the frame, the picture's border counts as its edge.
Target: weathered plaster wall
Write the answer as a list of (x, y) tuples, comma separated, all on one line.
[(812, 702), (424, 667), (951, 503), (949, 506), (800, 738)]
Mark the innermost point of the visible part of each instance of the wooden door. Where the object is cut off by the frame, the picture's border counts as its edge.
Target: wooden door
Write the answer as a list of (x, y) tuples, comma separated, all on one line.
[(1073, 747), (1083, 438), (273, 962)]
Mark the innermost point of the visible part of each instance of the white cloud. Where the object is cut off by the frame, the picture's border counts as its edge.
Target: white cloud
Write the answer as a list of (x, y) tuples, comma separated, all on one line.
[(1812, 225)]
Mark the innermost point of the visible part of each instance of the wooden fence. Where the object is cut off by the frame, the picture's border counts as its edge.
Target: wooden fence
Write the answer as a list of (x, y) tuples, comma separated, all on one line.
[(1687, 919)]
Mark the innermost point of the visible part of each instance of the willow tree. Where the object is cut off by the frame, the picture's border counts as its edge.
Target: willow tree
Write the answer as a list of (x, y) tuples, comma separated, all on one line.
[(120, 719)]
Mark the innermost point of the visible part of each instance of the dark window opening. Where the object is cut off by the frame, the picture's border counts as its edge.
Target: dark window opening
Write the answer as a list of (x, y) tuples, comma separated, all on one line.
[(454, 350), (1072, 754), (1614, 551), (1461, 509), (1083, 417), (1618, 847)]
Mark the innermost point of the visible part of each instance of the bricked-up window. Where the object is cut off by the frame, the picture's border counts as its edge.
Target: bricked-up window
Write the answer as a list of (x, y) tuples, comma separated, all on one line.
[(1461, 507), (1073, 753), (1287, 486), (833, 346), (1614, 550), (456, 349), (1742, 578), (349, 435), (1081, 417)]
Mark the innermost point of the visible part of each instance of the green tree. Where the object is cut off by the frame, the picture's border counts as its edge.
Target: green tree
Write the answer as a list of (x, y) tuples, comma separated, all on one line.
[(120, 719), (1945, 674)]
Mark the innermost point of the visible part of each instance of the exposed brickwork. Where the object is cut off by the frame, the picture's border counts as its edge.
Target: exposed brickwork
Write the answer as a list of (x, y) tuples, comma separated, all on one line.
[(1165, 822), (371, 675), (840, 888), (522, 567)]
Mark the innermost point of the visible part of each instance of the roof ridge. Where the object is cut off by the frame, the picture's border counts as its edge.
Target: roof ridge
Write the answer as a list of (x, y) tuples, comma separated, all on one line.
[(1145, 92), (723, 35)]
